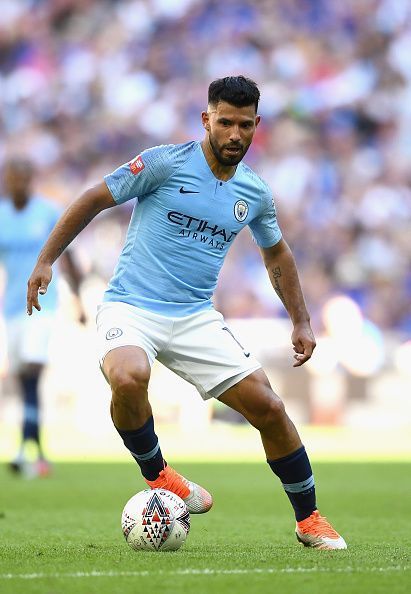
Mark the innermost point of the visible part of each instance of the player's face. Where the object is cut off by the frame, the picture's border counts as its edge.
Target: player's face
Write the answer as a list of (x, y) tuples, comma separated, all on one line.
[(230, 131), (17, 181)]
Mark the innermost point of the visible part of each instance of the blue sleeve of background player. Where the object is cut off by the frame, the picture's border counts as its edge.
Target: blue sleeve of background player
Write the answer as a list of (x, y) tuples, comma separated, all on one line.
[(55, 214), (146, 172), (264, 227)]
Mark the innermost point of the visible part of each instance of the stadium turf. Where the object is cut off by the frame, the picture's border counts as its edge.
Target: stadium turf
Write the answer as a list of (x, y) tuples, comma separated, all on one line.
[(62, 534)]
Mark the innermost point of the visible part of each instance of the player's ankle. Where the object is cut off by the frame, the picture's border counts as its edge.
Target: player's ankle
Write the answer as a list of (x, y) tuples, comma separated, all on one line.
[(304, 514)]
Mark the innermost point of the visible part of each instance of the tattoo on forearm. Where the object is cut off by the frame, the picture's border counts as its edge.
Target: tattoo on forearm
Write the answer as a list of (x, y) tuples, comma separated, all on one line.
[(61, 249), (276, 272), (85, 222)]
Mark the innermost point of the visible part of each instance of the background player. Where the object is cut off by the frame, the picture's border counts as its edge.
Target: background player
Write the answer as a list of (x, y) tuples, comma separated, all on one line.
[(193, 200), (25, 222)]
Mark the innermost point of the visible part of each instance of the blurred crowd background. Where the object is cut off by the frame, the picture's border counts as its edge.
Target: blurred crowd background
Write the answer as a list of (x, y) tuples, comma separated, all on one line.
[(85, 85)]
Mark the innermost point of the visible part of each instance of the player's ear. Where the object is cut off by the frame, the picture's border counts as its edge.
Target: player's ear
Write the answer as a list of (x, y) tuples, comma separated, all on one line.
[(205, 120), (257, 120)]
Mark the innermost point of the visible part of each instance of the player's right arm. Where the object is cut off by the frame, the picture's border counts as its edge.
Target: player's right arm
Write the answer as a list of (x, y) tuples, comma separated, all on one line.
[(139, 177), (75, 219)]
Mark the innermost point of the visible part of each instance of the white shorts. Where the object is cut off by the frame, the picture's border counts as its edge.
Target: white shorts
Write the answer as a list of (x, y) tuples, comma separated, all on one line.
[(200, 348), (28, 340)]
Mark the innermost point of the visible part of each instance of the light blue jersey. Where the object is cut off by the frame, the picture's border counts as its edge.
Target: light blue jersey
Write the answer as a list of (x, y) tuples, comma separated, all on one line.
[(22, 236), (183, 223)]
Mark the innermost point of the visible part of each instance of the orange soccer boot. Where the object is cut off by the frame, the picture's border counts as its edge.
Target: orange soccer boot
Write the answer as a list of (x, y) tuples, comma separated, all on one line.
[(197, 499), (316, 531)]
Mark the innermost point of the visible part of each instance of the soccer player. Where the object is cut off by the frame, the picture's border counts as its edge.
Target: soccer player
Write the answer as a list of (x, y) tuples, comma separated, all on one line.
[(25, 222), (192, 200)]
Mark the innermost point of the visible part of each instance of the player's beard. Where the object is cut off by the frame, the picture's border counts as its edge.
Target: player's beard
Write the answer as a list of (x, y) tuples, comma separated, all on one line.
[(230, 160)]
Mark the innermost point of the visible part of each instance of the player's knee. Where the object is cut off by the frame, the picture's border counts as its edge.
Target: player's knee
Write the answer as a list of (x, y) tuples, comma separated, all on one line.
[(126, 383), (272, 413)]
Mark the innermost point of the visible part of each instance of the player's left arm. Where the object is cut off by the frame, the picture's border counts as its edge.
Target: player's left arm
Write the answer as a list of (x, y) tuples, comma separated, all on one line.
[(282, 271), (74, 276)]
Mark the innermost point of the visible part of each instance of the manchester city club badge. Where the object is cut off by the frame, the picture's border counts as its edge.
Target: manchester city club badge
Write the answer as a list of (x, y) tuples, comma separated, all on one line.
[(241, 210)]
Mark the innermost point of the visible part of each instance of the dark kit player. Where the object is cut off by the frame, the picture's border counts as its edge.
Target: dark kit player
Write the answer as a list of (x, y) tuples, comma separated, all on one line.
[(192, 200)]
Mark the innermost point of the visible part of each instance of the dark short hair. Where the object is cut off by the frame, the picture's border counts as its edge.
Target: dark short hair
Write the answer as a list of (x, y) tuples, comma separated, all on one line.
[(236, 90)]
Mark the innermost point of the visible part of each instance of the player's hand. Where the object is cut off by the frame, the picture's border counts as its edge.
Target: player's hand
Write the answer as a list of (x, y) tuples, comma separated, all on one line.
[(37, 284), (304, 343)]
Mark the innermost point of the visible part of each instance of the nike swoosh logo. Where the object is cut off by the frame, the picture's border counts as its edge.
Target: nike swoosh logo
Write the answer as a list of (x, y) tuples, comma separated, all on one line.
[(183, 191)]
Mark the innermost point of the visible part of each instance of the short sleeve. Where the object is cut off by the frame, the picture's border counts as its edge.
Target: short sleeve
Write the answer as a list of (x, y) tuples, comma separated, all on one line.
[(264, 227), (143, 174)]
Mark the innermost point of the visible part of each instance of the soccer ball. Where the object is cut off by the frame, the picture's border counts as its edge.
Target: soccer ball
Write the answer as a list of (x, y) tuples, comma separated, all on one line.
[(155, 520)]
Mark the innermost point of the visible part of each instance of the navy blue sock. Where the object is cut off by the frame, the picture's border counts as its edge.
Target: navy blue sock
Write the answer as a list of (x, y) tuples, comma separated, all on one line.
[(296, 475), (29, 384), (145, 449)]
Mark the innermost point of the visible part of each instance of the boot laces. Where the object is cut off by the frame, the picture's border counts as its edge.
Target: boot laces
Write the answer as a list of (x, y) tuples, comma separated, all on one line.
[(318, 526), (175, 483)]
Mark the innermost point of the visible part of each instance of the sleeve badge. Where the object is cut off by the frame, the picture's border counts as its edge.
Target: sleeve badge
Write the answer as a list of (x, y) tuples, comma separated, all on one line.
[(136, 165)]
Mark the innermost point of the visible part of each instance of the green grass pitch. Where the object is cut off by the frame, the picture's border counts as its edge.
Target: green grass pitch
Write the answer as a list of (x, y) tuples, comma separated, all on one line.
[(62, 534)]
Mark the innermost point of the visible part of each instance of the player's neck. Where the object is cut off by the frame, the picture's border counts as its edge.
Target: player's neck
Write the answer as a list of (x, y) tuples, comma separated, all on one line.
[(220, 171)]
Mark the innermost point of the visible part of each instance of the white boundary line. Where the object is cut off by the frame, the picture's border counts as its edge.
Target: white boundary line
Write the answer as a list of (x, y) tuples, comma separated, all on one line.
[(182, 572)]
